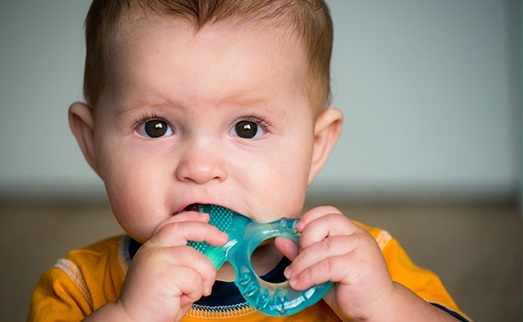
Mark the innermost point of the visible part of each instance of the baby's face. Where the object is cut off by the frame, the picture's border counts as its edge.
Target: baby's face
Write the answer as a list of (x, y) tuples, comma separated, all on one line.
[(217, 116)]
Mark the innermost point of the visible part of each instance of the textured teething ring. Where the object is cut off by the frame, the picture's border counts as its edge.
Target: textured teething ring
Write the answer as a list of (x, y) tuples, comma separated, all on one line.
[(245, 236)]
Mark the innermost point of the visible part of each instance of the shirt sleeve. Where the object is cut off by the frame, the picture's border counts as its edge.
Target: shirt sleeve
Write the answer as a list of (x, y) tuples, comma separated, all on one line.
[(80, 283), (58, 298), (422, 282)]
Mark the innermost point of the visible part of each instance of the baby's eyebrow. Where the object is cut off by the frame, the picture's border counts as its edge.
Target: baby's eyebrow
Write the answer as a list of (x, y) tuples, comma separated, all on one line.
[(130, 106), (268, 107), (262, 104)]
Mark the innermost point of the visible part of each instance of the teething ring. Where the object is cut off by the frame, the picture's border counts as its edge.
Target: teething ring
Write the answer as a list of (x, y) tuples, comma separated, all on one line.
[(245, 236)]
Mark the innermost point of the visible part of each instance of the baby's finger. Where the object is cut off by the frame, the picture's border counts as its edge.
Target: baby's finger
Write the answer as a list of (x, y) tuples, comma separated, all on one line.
[(200, 264), (179, 233), (314, 214), (169, 274), (190, 286), (184, 217), (319, 252), (176, 257), (335, 224), (287, 247), (332, 268)]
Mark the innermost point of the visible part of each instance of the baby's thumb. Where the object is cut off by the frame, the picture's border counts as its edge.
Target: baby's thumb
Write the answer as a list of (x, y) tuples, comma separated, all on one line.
[(287, 247)]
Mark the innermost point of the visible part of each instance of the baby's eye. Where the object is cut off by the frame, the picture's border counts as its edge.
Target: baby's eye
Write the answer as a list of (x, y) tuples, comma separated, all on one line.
[(247, 130), (155, 128)]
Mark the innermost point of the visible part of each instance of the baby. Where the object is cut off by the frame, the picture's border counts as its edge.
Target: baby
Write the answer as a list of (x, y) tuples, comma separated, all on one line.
[(221, 102)]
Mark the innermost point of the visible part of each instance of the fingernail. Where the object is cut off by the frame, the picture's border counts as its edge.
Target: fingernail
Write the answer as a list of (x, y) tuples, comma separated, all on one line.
[(225, 236), (288, 272), (300, 225)]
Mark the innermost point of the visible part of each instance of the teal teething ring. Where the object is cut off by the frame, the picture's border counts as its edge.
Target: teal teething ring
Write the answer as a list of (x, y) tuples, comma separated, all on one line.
[(245, 235)]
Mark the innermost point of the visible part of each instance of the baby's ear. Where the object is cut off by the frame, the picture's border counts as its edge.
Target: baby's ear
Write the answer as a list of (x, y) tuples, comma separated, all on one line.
[(81, 122), (326, 132)]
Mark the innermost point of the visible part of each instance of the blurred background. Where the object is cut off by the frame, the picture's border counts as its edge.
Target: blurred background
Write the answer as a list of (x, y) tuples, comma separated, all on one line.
[(431, 148)]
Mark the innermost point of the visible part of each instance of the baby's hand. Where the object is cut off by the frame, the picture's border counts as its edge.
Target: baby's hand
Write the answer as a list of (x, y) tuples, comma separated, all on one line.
[(166, 276), (333, 248)]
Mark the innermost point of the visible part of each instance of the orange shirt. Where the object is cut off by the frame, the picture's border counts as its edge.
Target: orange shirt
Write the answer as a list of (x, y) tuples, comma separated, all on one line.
[(88, 278)]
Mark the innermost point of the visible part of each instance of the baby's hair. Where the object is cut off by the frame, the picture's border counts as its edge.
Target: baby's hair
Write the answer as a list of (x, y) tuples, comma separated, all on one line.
[(308, 20)]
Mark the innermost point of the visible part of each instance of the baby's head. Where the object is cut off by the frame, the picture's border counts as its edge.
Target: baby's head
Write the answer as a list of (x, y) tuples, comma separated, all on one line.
[(219, 102), (305, 22)]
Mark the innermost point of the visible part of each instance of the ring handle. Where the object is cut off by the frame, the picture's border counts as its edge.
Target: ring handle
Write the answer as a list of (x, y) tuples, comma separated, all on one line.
[(274, 299)]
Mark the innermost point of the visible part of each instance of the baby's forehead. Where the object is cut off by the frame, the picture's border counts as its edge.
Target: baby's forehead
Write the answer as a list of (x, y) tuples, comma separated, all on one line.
[(246, 53), (287, 47), (126, 37)]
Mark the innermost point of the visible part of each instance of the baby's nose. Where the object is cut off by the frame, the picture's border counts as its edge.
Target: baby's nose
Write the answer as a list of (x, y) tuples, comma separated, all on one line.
[(201, 164)]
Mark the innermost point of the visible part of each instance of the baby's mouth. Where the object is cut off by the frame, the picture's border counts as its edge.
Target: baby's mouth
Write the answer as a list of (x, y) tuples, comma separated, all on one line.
[(192, 207)]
